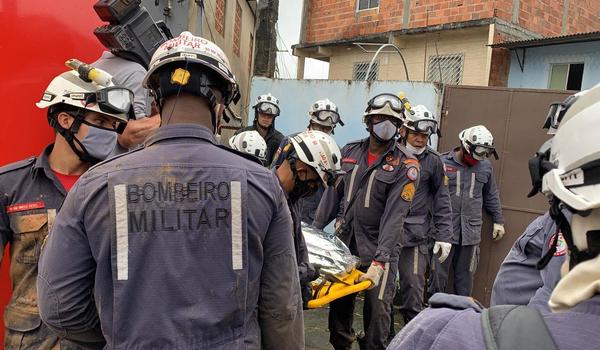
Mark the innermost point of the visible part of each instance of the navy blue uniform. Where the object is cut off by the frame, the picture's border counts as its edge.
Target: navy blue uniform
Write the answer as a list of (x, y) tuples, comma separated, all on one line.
[(375, 200), (30, 196), (472, 189), (183, 244)]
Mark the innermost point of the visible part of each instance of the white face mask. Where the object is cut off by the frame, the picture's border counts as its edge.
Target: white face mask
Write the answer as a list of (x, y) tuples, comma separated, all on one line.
[(385, 130), (415, 150)]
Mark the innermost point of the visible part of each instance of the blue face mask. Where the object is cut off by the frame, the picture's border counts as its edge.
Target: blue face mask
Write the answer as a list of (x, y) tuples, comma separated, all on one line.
[(99, 143)]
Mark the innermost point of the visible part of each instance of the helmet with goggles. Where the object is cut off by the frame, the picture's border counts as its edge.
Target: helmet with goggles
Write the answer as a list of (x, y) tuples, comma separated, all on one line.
[(72, 90), (386, 105), (478, 142), (325, 112), (267, 104), (421, 120), (557, 112), (575, 179)]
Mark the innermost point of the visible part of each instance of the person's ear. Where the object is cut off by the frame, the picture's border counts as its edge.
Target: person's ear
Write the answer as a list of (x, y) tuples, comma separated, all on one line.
[(65, 120)]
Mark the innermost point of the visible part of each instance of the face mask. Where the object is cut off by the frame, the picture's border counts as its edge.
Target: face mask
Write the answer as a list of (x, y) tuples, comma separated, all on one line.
[(415, 150), (99, 143), (469, 160), (385, 130)]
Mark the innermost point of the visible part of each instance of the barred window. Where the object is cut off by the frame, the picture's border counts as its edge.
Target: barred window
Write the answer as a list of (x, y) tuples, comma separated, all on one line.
[(360, 71), (447, 69)]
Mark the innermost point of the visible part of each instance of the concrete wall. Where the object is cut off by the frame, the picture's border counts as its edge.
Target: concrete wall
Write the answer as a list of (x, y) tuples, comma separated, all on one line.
[(242, 64), (416, 50), (538, 60), (186, 15), (351, 97)]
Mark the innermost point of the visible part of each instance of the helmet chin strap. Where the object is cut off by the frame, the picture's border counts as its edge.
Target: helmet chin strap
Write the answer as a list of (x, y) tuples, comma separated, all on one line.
[(69, 136), (576, 255)]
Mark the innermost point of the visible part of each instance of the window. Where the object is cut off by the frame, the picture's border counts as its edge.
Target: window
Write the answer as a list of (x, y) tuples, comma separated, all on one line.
[(566, 76), (220, 17), (447, 69), (237, 29), (360, 71), (367, 4)]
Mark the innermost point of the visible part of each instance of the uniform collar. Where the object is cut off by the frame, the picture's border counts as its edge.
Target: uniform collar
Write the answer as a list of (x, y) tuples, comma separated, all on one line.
[(41, 161), (179, 131), (42, 164)]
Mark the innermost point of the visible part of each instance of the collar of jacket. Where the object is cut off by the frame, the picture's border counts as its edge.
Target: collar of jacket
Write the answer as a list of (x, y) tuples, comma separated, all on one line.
[(42, 165), (178, 131)]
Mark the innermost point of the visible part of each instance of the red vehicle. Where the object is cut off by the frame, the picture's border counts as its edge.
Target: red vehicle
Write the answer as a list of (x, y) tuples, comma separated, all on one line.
[(37, 38)]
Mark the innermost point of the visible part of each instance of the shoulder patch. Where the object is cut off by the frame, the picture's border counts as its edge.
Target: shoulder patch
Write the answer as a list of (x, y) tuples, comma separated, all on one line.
[(561, 245), (411, 162), (408, 191), (412, 174), (17, 165)]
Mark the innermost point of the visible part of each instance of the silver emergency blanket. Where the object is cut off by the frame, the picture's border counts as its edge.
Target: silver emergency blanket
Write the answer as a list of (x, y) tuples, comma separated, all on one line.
[(328, 253)]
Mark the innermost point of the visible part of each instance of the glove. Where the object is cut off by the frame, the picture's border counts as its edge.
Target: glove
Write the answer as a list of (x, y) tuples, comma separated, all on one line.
[(444, 247), (498, 232), (373, 274)]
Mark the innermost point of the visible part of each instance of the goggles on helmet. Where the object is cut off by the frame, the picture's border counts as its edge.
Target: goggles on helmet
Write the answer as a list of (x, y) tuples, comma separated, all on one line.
[(268, 108), (332, 116), (113, 100), (381, 100), (482, 151), (424, 126), (555, 115)]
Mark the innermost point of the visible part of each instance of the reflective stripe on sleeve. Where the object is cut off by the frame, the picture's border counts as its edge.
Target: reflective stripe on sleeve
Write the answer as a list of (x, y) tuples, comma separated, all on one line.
[(236, 226), (122, 228)]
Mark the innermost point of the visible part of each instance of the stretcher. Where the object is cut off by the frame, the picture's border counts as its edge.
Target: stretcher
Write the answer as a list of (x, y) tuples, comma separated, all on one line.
[(338, 268)]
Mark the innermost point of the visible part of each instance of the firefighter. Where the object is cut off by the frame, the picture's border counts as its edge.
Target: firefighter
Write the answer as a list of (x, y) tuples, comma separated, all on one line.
[(266, 110), (430, 210), (323, 116), (32, 191), (472, 187), (311, 159), (575, 302), (380, 181), (185, 243)]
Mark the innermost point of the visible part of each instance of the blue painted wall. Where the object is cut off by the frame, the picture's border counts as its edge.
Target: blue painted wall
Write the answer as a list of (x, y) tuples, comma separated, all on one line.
[(351, 97), (538, 61)]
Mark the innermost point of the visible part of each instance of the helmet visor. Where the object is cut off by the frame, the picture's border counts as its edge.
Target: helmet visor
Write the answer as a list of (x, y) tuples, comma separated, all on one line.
[(381, 100), (268, 108)]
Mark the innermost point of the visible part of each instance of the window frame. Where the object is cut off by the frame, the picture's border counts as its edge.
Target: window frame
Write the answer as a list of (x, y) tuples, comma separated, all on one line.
[(568, 64), (358, 9)]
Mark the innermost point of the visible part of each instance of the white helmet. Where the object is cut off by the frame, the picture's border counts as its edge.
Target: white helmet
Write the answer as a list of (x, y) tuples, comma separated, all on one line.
[(267, 104), (420, 120), (250, 142), (68, 88), (575, 152), (319, 151), (385, 104), (478, 142), (325, 112), (188, 48)]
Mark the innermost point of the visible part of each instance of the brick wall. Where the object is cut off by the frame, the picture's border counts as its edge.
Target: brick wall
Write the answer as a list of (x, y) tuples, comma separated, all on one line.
[(338, 19)]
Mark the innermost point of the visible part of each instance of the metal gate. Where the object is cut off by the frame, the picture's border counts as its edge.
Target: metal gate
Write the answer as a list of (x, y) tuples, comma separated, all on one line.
[(515, 117)]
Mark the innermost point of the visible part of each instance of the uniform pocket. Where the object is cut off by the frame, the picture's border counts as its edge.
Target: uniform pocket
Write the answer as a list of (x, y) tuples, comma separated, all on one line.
[(29, 233)]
